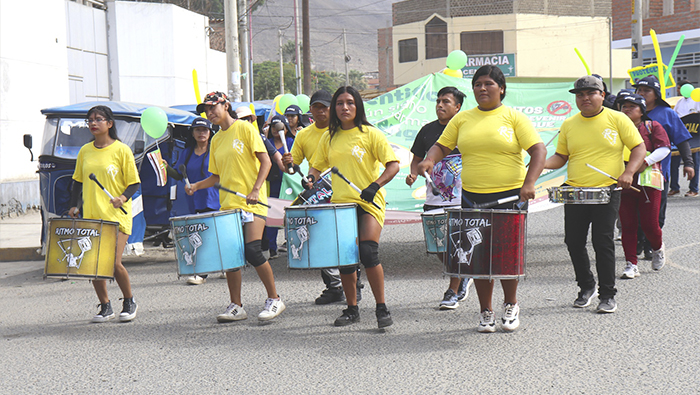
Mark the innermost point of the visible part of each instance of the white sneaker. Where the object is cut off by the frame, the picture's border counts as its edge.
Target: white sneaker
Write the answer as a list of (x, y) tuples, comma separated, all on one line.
[(487, 323), (196, 280), (658, 258), (511, 317), (273, 308), (631, 271), (233, 312)]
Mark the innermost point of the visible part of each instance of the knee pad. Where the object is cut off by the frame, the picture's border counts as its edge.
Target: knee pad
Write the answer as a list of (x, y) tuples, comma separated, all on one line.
[(369, 253), (348, 269), (253, 253)]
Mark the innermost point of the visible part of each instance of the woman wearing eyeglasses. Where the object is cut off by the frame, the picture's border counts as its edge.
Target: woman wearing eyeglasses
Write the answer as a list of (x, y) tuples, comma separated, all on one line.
[(113, 164)]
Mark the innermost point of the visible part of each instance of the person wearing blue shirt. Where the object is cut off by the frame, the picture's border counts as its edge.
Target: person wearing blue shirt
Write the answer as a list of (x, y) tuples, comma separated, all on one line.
[(660, 111), (195, 157)]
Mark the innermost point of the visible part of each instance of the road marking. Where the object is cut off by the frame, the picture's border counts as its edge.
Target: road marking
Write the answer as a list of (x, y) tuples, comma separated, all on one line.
[(671, 263)]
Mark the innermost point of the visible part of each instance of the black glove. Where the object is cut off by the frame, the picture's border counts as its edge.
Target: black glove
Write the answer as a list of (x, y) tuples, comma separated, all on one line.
[(311, 179), (369, 192)]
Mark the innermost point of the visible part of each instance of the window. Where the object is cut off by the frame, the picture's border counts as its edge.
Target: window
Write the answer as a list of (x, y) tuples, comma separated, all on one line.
[(668, 7), (408, 50), (481, 43), (436, 39)]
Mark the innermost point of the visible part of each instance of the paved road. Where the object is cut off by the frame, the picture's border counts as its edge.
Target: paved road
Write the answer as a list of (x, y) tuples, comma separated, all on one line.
[(649, 346)]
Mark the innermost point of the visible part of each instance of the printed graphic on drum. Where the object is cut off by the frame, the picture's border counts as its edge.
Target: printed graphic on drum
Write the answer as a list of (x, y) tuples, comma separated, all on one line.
[(81, 248), (321, 236), (320, 192), (434, 230), (486, 243), (208, 243), (577, 195)]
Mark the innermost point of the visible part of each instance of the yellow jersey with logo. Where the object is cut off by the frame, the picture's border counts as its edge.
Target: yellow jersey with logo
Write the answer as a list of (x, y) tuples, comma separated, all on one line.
[(115, 169), (598, 141), (232, 158), (491, 144), (306, 142), (358, 156)]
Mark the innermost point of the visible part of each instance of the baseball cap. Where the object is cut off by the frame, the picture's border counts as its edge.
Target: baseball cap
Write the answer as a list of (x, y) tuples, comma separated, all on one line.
[(321, 96), (201, 122), (283, 119), (636, 99), (293, 110), (587, 82), (212, 99), (652, 82), (243, 111)]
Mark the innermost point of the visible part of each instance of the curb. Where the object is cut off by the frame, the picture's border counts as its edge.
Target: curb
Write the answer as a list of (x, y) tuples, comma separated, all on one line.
[(20, 254)]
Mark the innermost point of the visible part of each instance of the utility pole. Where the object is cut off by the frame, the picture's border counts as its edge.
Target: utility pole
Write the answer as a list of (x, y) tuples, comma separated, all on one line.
[(232, 51), (306, 45), (279, 34), (297, 55), (637, 17), (243, 35), (251, 68), (346, 59)]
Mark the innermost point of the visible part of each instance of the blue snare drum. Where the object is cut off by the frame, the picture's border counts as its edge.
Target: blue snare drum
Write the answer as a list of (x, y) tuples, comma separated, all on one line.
[(321, 236), (208, 243)]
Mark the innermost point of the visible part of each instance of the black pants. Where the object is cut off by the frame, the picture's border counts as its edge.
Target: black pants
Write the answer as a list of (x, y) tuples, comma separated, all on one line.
[(601, 218)]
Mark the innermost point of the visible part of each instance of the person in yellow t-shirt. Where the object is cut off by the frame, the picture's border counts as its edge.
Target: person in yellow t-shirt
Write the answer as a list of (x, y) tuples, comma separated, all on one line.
[(112, 163), (358, 149), (595, 136), (239, 161), (491, 139)]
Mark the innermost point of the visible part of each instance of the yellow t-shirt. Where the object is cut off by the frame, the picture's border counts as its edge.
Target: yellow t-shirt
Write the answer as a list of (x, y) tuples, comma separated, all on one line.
[(306, 142), (599, 141), (232, 158), (491, 144), (115, 169), (357, 155)]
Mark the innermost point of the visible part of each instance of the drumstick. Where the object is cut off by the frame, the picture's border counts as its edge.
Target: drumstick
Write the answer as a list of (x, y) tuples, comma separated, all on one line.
[(435, 190), (609, 176), (92, 177), (286, 150), (334, 170), (183, 170), (218, 186), (497, 202), (298, 170)]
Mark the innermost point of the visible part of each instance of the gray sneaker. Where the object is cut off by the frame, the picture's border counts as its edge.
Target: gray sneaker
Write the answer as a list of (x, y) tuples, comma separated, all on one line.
[(585, 297), (129, 310), (463, 290), (607, 305), (449, 301), (658, 258), (106, 313)]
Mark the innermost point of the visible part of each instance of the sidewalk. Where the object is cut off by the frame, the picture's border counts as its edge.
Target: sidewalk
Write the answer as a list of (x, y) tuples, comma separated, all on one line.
[(20, 237)]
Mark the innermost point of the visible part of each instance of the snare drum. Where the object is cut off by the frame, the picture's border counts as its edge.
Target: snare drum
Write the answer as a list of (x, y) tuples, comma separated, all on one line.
[(483, 243), (434, 230), (321, 236), (209, 242), (577, 195), (81, 248)]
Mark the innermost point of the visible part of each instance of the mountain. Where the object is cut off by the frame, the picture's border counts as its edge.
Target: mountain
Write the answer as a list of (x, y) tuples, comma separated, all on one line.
[(327, 18)]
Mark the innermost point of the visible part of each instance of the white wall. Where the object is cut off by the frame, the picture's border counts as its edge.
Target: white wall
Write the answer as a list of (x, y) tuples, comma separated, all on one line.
[(88, 69), (33, 75), (156, 46)]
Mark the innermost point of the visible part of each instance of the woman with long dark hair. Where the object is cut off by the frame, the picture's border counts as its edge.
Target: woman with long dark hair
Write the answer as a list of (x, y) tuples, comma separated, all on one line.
[(113, 164), (491, 138), (358, 149)]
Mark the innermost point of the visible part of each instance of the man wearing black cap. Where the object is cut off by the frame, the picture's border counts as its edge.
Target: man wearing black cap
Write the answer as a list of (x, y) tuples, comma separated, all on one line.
[(305, 146), (660, 111), (595, 136)]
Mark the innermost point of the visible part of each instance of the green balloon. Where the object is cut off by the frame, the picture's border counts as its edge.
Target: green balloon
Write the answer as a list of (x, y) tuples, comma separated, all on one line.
[(686, 90), (154, 121), (456, 60), (287, 100), (303, 102)]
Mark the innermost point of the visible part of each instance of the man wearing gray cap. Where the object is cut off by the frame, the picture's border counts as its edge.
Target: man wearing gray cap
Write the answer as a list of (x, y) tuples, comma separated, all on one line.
[(305, 146), (595, 136)]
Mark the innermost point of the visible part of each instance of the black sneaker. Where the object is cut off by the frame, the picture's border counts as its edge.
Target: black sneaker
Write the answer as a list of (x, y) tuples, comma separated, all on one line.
[(129, 310), (331, 295), (383, 317), (359, 290), (273, 254), (647, 253), (585, 297), (350, 315), (106, 313), (607, 305)]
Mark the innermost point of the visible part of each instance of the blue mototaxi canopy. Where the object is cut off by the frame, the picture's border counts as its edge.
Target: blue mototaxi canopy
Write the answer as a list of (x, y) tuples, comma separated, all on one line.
[(261, 108), (122, 109)]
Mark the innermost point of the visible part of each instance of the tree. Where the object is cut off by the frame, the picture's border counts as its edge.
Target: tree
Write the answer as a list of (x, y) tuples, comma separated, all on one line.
[(267, 79)]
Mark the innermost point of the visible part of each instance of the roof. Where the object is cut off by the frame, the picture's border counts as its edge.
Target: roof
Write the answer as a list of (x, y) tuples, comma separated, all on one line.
[(261, 108), (124, 109)]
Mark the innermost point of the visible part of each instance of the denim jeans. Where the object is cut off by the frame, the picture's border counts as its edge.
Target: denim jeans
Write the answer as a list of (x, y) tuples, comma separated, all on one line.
[(601, 218)]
